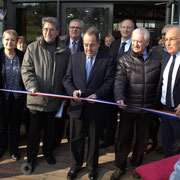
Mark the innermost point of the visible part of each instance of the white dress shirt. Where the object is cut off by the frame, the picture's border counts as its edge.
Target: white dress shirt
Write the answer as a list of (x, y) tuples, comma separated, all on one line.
[(165, 78)]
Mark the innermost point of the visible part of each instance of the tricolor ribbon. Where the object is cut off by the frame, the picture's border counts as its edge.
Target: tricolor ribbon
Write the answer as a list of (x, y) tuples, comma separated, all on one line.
[(159, 112)]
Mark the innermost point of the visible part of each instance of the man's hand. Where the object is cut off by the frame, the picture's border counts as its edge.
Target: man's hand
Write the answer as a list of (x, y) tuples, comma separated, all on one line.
[(76, 95), (92, 96), (122, 103), (34, 90), (177, 109)]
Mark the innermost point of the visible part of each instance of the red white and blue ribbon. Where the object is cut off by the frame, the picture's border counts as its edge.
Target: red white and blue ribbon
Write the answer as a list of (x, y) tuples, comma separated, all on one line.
[(159, 112)]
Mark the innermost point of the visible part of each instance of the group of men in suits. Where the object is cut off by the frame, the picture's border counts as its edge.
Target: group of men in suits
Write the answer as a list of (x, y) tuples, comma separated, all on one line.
[(91, 73), (155, 85), (80, 116)]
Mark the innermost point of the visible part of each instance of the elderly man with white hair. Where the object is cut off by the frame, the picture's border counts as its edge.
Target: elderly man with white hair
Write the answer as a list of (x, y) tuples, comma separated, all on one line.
[(136, 82), (168, 91)]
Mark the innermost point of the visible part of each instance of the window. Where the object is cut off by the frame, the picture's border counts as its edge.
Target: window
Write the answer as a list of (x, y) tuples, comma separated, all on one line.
[(29, 16), (99, 15)]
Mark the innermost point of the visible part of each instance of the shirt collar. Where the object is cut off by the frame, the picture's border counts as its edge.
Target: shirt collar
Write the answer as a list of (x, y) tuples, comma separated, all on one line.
[(71, 41), (127, 42), (145, 54), (89, 58), (178, 54)]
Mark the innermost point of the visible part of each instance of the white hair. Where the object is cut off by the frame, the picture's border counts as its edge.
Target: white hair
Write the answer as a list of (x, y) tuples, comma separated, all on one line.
[(143, 31)]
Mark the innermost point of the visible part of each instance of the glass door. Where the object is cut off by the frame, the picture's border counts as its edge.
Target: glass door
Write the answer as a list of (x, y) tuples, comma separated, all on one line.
[(92, 14), (173, 12), (29, 15)]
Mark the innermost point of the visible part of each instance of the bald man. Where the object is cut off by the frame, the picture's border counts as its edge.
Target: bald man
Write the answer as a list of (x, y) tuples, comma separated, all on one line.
[(126, 29)]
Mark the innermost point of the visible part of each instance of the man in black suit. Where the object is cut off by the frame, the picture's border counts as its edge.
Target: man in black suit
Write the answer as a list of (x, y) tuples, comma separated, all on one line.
[(117, 49), (75, 43), (126, 29), (74, 40), (90, 74), (169, 89)]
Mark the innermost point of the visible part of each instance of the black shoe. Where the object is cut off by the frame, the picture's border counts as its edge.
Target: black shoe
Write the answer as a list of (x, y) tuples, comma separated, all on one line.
[(72, 174), (93, 175), (135, 174), (50, 159), (15, 156), (28, 168), (1, 153), (106, 144), (117, 174), (32, 164)]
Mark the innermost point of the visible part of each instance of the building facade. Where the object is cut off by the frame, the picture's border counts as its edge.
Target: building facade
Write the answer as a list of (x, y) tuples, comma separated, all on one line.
[(25, 15)]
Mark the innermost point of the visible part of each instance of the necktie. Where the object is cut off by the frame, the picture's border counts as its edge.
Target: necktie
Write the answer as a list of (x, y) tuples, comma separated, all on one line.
[(73, 48), (121, 52), (168, 92), (89, 62)]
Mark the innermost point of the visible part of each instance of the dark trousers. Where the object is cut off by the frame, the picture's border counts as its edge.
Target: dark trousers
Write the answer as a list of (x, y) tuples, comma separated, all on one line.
[(170, 129), (12, 118), (79, 129), (110, 123), (36, 121), (125, 136), (154, 131)]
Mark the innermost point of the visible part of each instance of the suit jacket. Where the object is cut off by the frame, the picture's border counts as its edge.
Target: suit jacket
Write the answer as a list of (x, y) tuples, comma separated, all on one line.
[(114, 48), (176, 85), (80, 43), (161, 51), (100, 82)]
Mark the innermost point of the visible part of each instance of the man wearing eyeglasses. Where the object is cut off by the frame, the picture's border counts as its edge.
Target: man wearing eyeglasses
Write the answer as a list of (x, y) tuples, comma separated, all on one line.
[(44, 66), (90, 74), (168, 91), (75, 43), (74, 40)]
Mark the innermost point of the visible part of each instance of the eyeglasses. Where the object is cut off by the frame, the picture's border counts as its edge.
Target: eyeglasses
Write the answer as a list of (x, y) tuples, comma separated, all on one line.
[(75, 27), (50, 30), (172, 39)]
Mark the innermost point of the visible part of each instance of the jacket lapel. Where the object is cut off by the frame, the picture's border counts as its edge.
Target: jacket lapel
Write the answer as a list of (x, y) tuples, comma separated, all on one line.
[(177, 77), (163, 65), (82, 67)]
